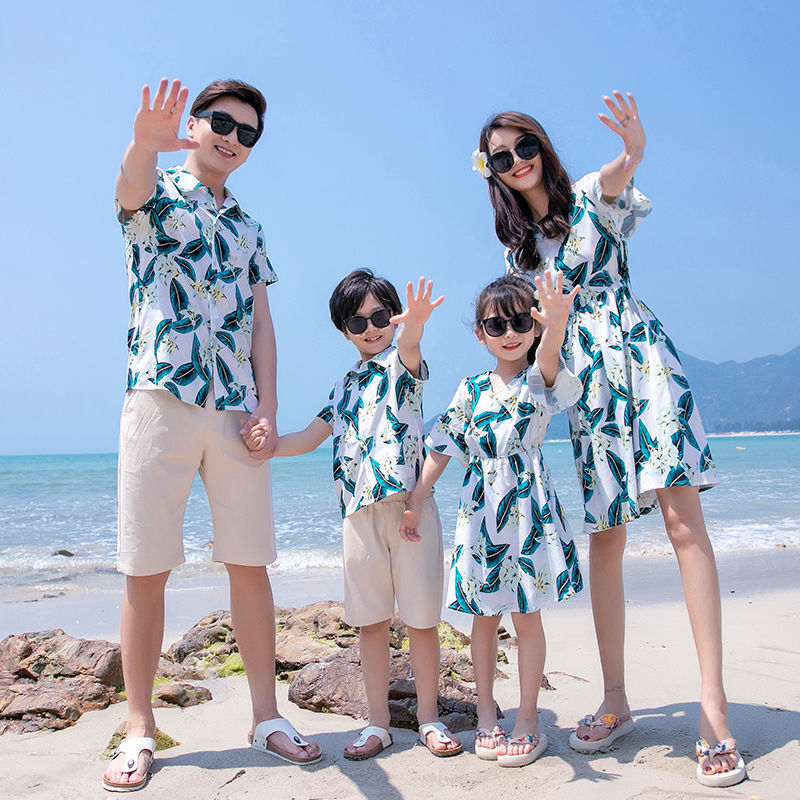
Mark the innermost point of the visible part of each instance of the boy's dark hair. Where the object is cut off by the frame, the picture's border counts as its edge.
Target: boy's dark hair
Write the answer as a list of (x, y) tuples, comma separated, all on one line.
[(231, 88), (505, 297), (351, 291)]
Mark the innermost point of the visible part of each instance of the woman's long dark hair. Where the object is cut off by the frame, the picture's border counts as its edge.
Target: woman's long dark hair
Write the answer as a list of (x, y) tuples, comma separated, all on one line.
[(512, 218)]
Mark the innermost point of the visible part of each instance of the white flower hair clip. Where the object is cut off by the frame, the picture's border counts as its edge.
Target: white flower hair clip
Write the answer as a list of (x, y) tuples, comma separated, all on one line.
[(480, 164)]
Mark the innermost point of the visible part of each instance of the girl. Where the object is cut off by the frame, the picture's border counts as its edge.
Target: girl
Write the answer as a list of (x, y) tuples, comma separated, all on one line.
[(637, 437), (511, 540)]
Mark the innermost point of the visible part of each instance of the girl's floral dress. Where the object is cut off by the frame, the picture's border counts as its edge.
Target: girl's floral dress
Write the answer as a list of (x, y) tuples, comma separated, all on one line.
[(636, 427), (511, 542)]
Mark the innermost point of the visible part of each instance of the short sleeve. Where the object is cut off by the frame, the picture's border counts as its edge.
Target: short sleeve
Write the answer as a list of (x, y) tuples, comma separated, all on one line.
[(448, 435), (260, 269), (565, 391), (326, 414), (125, 216), (626, 212)]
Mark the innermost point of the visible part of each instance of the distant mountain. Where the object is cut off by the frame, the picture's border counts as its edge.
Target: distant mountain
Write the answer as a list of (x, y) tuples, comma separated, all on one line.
[(758, 395)]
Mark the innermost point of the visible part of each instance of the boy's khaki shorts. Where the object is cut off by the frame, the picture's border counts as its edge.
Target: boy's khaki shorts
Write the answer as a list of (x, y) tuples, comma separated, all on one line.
[(163, 444), (379, 566)]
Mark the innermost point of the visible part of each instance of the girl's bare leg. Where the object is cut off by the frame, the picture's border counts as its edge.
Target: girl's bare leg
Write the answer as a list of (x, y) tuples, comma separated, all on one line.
[(483, 648), (532, 651), (606, 549), (683, 518)]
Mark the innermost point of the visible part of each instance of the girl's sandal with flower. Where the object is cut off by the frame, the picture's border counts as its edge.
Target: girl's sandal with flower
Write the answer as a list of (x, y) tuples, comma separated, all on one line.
[(616, 728), (488, 753), (727, 747), (538, 746)]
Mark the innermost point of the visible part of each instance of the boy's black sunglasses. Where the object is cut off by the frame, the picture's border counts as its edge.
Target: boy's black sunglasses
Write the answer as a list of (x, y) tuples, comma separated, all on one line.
[(496, 326), (223, 123), (379, 318), (526, 148)]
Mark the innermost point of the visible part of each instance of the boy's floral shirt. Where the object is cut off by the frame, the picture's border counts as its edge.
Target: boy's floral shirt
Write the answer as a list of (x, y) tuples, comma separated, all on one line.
[(190, 269), (378, 430)]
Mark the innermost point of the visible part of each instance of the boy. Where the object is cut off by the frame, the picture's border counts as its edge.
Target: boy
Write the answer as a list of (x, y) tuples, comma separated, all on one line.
[(201, 351), (375, 416)]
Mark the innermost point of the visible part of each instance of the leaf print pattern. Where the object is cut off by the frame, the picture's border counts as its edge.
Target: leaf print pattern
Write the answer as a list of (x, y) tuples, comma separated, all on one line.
[(375, 412), (190, 271), (636, 427), (512, 545)]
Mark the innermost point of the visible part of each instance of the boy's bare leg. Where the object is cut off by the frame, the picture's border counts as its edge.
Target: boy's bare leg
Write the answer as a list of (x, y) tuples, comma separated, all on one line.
[(683, 518), (374, 646), (424, 647), (606, 549), (483, 648), (141, 634), (253, 614)]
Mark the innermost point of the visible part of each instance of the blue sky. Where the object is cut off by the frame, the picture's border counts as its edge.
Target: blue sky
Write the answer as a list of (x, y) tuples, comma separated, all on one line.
[(373, 111)]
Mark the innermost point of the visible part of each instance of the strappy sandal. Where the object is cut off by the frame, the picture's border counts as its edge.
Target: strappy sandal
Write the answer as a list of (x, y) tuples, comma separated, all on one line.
[(488, 753), (538, 744), (616, 728), (727, 747)]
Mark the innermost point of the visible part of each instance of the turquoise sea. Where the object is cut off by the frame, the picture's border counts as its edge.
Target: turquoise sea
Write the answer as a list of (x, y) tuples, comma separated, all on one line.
[(49, 503)]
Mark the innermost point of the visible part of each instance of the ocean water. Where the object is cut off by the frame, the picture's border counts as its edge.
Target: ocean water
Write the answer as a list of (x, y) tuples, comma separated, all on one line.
[(48, 503)]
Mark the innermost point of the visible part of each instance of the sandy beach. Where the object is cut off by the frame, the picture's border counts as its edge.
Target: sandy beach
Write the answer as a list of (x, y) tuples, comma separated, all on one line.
[(761, 614)]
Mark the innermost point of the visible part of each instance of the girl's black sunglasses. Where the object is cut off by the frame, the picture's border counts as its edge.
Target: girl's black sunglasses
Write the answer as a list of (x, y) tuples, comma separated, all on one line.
[(496, 326), (223, 123), (379, 318), (526, 148)]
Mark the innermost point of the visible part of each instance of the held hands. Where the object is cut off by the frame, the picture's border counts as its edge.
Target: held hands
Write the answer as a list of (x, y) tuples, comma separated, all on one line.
[(419, 307), (259, 435), (627, 126), (155, 128), (554, 304)]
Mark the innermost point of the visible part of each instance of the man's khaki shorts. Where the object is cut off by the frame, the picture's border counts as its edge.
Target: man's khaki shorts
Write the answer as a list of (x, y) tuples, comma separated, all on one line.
[(379, 566), (163, 444)]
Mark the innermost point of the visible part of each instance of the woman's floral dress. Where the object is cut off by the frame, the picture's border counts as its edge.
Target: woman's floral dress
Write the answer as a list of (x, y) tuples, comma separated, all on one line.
[(511, 542), (635, 428)]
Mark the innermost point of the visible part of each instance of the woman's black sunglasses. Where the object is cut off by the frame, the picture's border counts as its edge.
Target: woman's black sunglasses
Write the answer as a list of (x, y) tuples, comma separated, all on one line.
[(379, 318), (496, 326), (223, 123), (526, 148)]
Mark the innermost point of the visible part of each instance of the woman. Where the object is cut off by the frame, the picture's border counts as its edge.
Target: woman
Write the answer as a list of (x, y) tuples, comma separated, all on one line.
[(637, 439)]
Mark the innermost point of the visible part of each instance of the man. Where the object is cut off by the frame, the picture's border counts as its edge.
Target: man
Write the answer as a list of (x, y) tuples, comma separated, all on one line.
[(201, 351)]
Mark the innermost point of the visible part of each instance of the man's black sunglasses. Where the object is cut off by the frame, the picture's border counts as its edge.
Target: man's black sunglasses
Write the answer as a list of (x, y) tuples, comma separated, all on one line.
[(496, 326), (223, 123), (379, 318), (526, 148)]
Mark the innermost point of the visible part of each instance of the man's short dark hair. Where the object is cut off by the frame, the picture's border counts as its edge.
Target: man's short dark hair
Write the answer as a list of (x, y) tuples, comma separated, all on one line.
[(351, 292), (231, 88)]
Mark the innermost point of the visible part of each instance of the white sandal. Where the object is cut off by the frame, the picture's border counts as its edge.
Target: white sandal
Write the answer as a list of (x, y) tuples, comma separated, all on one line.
[(132, 748), (439, 729), (371, 730), (259, 740)]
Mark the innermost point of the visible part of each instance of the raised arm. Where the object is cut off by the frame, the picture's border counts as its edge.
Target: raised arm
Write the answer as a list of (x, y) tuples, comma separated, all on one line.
[(418, 309), (295, 444), (552, 315), (617, 174), (155, 130), (432, 469)]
